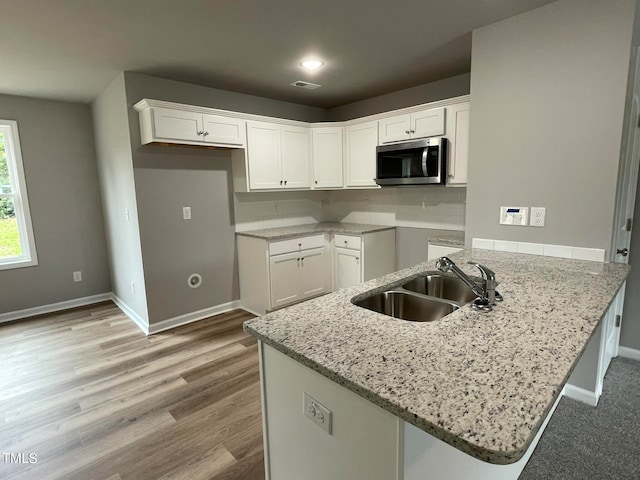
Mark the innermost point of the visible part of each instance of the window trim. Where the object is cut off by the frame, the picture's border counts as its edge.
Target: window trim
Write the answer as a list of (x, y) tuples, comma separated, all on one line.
[(15, 166)]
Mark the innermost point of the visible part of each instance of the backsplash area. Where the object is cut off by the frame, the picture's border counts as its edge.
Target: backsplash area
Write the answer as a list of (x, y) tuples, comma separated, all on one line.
[(254, 211), (419, 207)]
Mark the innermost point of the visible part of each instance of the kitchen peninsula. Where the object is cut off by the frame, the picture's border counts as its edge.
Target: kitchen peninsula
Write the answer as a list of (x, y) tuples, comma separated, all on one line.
[(402, 394)]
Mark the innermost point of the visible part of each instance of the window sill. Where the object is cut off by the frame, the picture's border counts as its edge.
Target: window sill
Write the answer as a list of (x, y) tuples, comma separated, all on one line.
[(18, 262)]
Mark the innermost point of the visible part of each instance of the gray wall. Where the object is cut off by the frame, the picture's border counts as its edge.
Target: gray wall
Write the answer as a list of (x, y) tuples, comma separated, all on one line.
[(428, 92), (117, 185), (180, 92), (169, 178), (60, 170), (548, 91)]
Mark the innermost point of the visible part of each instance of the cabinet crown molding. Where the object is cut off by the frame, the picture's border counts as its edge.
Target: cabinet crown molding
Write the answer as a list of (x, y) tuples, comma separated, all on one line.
[(147, 103)]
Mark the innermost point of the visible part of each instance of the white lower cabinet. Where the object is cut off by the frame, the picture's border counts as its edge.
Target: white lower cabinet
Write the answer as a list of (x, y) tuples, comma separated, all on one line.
[(348, 267), (279, 273), (296, 276), (284, 271), (358, 258), (366, 441)]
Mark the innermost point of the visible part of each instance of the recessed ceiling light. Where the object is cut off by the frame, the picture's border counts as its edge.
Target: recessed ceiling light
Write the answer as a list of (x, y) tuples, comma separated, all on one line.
[(311, 64)]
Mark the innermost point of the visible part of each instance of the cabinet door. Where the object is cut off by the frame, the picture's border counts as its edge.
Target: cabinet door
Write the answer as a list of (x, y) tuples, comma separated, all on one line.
[(327, 157), (458, 136), (172, 124), (263, 155), (313, 273), (296, 156), (394, 129), (283, 273), (362, 140), (348, 268), (428, 123), (224, 130)]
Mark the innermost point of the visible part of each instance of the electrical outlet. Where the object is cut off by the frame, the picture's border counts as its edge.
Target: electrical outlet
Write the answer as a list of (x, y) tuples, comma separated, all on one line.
[(537, 216), (316, 412), (77, 276), (186, 213)]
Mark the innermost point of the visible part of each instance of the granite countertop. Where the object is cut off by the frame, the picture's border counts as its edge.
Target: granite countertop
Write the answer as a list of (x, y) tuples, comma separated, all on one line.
[(282, 233), (447, 238), (482, 382)]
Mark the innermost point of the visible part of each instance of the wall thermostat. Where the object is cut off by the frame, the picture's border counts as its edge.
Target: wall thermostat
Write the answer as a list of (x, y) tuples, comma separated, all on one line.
[(514, 215)]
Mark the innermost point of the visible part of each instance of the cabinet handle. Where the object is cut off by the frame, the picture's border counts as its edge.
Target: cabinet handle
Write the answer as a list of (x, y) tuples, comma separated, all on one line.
[(357, 259), (299, 244), (302, 262), (413, 131), (316, 182), (206, 133), (200, 132), (407, 132), (345, 242), (280, 182), (285, 182)]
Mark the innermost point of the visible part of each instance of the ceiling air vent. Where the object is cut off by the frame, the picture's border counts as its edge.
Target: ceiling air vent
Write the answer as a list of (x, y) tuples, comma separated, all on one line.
[(307, 85)]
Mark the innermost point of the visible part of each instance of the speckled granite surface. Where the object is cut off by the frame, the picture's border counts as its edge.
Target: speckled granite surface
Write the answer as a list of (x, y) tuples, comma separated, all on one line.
[(448, 239), (282, 233), (480, 382)]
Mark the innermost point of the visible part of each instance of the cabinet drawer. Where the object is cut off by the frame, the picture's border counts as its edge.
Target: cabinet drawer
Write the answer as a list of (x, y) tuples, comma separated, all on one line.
[(296, 244), (348, 241)]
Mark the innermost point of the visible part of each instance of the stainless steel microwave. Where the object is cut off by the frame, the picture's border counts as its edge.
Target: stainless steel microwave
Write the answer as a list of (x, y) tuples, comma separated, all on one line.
[(420, 162)]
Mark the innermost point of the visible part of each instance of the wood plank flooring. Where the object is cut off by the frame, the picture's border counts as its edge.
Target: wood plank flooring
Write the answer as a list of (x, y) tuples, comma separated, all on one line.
[(94, 398)]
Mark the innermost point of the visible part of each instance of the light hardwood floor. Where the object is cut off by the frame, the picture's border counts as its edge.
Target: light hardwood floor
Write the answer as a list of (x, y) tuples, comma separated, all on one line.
[(94, 398)]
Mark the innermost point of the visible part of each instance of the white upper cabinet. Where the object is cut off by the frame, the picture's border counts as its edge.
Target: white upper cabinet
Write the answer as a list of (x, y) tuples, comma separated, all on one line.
[(278, 156), (360, 165), (328, 151), (168, 125), (263, 154), (224, 130), (426, 123), (296, 156), (458, 137)]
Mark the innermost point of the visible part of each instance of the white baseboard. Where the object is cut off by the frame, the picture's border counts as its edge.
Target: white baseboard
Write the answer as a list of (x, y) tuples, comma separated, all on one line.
[(627, 352), (192, 317), (129, 312), (581, 394), (54, 307)]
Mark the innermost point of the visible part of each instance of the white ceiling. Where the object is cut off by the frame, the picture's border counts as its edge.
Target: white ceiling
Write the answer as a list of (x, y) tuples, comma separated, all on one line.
[(72, 49)]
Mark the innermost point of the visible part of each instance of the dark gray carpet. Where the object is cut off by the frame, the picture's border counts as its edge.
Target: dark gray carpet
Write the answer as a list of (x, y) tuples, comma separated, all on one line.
[(600, 443)]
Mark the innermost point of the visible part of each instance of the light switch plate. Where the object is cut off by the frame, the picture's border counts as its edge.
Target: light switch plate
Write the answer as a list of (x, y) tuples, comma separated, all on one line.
[(514, 216), (186, 213)]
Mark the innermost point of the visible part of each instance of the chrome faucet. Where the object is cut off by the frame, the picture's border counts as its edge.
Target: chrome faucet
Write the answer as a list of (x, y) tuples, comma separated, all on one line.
[(487, 295)]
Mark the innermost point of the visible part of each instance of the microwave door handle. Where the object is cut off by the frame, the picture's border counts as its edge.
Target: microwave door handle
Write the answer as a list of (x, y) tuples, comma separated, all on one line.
[(424, 161)]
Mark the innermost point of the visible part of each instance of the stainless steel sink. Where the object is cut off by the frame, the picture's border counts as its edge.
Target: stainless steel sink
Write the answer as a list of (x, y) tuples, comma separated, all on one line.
[(407, 306), (440, 286)]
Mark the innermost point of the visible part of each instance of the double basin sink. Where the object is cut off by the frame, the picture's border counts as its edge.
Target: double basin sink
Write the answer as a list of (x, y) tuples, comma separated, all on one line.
[(425, 298)]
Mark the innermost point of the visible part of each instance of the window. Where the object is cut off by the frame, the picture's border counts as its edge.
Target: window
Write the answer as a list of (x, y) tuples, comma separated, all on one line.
[(17, 246)]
